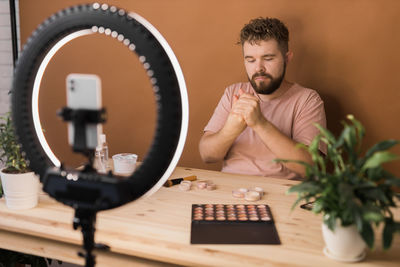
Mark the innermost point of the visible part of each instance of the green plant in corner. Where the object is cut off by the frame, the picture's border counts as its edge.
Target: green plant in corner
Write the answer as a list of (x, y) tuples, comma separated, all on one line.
[(10, 150), (357, 190), (13, 158)]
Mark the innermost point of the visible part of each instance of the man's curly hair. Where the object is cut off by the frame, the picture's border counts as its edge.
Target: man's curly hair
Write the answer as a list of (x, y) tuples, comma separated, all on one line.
[(263, 29)]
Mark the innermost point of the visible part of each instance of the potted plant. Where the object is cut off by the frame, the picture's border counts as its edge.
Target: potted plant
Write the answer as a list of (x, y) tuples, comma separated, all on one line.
[(20, 185), (351, 189)]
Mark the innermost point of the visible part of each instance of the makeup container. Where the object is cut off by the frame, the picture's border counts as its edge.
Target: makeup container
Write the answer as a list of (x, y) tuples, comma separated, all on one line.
[(232, 224), (257, 189), (239, 193), (201, 184), (252, 196), (185, 185)]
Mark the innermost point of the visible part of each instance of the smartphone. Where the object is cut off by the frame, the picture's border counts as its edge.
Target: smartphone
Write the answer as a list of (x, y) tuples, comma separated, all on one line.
[(84, 92)]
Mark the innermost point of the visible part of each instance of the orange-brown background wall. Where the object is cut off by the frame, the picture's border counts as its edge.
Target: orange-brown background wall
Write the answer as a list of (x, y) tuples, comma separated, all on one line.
[(348, 50)]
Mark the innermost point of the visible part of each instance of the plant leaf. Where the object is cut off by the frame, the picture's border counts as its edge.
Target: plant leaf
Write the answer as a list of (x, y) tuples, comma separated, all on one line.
[(387, 234), (340, 140), (378, 158), (373, 216), (304, 187), (350, 144), (358, 220), (392, 181), (367, 235), (302, 146), (330, 221), (384, 145), (298, 200), (360, 128), (315, 144), (294, 161), (373, 193), (317, 206), (326, 133)]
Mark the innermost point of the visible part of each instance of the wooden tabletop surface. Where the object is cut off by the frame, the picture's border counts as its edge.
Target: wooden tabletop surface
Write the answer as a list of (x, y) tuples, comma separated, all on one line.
[(156, 231)]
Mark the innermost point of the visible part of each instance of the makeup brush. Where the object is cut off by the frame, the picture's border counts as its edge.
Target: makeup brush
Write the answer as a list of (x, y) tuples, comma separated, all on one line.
[(179, 180)]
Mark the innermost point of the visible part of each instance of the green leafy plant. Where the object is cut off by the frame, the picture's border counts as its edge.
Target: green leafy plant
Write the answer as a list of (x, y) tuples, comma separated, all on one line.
[(349, 186), (11, 153), (15, 162), (10, 150)]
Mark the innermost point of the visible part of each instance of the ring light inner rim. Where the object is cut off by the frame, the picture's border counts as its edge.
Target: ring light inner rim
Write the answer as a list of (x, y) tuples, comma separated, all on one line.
[(36, 88)]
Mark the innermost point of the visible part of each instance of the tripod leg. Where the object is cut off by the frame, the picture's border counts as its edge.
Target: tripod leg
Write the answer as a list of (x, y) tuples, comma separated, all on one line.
[(86, 219)]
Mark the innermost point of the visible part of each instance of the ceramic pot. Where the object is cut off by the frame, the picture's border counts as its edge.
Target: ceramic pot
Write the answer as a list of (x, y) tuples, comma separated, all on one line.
[(21, 191), (344, 244)]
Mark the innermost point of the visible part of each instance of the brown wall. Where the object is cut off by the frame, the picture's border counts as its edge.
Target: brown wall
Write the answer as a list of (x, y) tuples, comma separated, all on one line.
[(345, 49)]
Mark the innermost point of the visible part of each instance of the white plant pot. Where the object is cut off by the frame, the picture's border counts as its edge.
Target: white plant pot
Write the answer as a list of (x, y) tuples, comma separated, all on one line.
[(21, 191), (344, 244)]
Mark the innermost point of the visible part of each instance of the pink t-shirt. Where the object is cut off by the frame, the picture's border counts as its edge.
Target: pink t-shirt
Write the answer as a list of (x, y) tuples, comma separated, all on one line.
[(293, 113)]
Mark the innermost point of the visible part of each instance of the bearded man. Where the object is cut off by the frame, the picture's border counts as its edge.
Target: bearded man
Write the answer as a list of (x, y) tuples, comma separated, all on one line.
[(265, 118)]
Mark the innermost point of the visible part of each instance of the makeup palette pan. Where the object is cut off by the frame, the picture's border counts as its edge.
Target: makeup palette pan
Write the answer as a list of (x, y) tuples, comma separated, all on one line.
[(232, 224)]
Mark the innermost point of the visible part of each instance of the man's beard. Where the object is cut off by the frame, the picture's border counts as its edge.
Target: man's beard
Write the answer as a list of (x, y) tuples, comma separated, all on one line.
[(272, 86)]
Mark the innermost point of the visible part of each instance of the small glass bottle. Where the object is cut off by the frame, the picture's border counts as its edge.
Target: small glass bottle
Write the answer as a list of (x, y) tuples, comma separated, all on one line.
[(101, 155)]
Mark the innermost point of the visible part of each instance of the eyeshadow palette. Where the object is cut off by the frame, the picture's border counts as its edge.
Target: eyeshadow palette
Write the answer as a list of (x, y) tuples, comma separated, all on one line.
[(232, 224)]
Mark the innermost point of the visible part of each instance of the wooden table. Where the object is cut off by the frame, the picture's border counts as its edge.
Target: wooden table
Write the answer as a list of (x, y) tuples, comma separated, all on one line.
[(156, 231)]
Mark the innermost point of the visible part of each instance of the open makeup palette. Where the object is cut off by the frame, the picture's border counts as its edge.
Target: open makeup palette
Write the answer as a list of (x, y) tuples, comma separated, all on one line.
[(232, 224)]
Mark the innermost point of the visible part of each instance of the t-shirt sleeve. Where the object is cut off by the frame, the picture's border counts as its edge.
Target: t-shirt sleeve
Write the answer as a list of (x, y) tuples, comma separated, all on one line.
[(312, 111), (221, 112)]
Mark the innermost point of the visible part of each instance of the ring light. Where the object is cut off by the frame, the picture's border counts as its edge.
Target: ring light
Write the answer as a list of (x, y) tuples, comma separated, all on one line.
[(90, 192)]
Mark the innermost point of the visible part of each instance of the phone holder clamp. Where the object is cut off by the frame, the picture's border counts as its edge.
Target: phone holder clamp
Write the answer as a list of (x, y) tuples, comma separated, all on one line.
[(80, 118)]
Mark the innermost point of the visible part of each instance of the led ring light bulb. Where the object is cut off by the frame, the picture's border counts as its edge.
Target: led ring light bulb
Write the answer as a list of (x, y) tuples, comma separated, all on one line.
[(165, 75)]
